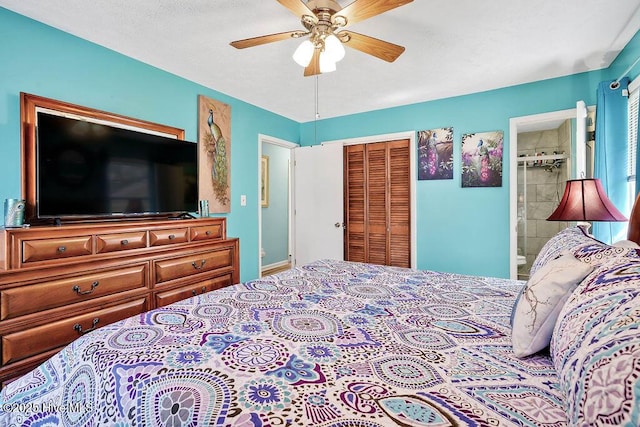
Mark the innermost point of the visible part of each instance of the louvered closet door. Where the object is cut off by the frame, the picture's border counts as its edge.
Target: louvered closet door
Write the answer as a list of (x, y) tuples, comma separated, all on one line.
[(377, 213), (354, 187), (399, 200), (377, 203)]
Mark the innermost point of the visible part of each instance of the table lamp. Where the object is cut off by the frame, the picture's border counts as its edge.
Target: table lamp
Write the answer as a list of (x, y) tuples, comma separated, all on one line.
[(585, 200)]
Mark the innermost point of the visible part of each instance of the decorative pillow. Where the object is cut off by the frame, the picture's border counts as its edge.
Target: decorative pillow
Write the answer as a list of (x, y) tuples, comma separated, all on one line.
[(626, 244), (598, 252), (596, 346), (569, 239), (540, 301)]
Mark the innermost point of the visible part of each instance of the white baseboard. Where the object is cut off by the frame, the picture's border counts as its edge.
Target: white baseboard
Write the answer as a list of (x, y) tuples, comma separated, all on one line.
[(275, 265)]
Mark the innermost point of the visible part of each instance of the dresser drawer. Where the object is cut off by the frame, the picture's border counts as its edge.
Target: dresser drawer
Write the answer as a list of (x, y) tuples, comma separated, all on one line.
[(168, 237), (169, 297), (45, 295), (120, 242), (20, 345), (184, 266), (47, 249), (207, 232)]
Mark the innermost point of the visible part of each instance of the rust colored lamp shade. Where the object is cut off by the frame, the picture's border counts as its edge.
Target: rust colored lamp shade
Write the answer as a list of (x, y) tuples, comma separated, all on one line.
[(585, 200)]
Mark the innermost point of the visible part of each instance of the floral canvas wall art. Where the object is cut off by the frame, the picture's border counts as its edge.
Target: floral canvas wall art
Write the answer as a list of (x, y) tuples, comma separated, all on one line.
[(435, 154), (482, 159), (214, 140)]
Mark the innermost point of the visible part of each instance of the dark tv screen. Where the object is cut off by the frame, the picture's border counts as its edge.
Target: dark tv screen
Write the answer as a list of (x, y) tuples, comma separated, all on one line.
[(92, 169)]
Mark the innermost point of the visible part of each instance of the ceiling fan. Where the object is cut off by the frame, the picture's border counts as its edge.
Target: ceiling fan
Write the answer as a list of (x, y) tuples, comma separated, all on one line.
[(325, 23)]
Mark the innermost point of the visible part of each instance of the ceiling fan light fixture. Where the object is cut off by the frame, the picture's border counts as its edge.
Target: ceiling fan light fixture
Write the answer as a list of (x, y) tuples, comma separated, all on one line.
[(304, 53), (334, 48), (325, 23), (327, 64)]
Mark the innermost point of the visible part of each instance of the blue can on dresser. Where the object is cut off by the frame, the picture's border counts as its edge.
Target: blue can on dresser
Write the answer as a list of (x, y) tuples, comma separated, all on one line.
[(13, 212)]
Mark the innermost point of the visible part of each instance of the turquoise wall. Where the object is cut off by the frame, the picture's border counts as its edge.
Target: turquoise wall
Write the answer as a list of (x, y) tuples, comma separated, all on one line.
[(275, 217), (43, 61), (626, 59), (461, 230), (466, 230)]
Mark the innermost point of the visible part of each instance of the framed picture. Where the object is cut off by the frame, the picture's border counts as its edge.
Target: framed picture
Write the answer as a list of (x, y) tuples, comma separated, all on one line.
[(482, 159), (264, 187), (214, 140), (435, 154)]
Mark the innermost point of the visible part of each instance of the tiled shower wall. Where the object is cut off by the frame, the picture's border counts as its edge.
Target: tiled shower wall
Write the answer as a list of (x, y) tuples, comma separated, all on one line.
[(545, 185)]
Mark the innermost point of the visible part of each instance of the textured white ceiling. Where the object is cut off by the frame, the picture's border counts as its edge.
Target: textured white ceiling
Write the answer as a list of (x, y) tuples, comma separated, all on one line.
[(453, 47)]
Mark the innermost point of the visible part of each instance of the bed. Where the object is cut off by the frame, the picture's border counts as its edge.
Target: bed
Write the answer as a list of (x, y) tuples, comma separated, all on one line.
[(336, 343)]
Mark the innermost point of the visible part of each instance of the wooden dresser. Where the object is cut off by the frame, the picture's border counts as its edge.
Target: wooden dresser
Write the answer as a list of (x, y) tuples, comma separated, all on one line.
[(57, 283)]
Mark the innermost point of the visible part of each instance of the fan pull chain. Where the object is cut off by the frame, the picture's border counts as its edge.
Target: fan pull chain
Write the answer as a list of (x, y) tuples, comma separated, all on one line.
[(317, 111), (317, 114)]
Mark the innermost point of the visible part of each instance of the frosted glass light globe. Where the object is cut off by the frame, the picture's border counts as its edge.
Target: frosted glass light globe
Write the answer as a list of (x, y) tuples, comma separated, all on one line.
[(333, 46), (327, 64), (303, 53)]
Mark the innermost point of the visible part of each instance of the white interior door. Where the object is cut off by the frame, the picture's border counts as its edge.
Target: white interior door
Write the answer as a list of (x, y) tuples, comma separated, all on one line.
[(318, 203), (581, 141)]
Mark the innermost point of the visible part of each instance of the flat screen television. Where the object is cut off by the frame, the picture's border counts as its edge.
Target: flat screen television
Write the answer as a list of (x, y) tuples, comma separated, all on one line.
[(87, 169)]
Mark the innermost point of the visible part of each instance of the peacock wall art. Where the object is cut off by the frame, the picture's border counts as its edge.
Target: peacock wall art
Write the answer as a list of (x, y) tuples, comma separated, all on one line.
[(435, 154), (482, 159), (214, 139)]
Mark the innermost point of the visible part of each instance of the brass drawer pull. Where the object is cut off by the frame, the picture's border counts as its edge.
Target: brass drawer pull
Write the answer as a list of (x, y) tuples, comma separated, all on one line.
[(199, 267), (124, 242), (208, 233), (61, 249), (77, 290), (78, 328), (203, 289), (172, 236)]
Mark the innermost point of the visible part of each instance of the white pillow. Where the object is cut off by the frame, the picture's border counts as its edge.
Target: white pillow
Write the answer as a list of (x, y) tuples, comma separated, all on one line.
[(540, 301), (626, 244)]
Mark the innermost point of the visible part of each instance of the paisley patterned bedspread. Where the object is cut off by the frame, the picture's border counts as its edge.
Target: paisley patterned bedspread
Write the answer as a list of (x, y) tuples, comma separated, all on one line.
[(332, 343)]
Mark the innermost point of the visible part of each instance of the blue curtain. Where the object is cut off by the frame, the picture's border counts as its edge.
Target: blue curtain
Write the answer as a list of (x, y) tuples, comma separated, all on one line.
[(611, 155), (637, 142)]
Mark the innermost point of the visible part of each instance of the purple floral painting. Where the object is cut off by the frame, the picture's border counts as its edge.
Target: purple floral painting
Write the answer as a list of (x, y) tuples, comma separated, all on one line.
[(435, 154), (482, 159)]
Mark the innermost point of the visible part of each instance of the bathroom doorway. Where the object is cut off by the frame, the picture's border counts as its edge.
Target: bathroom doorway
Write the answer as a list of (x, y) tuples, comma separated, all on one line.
[(546, 150), (275, 205)]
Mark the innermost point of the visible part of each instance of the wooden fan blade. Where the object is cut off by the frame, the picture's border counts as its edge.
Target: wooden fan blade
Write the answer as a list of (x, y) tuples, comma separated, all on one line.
[(360, 10), (256, 41), (297, 7), (372, 46), (314, 66)]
